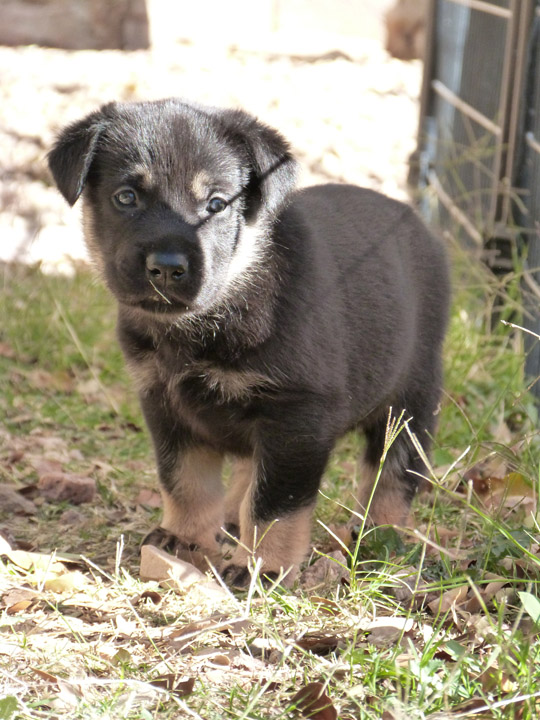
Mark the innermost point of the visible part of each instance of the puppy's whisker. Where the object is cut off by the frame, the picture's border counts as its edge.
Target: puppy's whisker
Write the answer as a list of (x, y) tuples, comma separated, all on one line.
[(160, 293)]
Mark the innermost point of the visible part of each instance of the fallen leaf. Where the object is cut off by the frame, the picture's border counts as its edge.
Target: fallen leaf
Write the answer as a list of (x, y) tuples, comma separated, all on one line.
[(156, 564), (174, 573), (16, 596), (45, 675), (13, 503), (128, 628), (314, 703), (152, 595), (20, 606), (449, 599), (42, 466), (484, 474), (66, 582), (319, 643), (386, 630), (404, 582), (35, 561), (327, 569), (221, 659), (170, 682), (121, 656), (325, 605)]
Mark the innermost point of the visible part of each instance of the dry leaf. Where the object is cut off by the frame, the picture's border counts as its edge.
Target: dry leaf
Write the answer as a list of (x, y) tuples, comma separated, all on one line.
[(328, 569), (45, 676), (403, 582), (11, 597), (449, 599), (13, 503), (174, 573), (484, 473), (128, 628), (325, 605), (152, 595), (156, 564), (219, 623), (170, 682), (18, 607), (19, 599), (314, 703), (35, 561), (387, 630), (319, 643), (66, 582), (121, 656)]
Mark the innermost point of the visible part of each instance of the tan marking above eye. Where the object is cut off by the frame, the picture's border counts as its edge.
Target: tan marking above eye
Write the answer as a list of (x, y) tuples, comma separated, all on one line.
[(200, 185)]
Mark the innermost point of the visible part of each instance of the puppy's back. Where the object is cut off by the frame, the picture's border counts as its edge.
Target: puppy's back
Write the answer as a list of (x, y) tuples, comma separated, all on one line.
[(373, 281)]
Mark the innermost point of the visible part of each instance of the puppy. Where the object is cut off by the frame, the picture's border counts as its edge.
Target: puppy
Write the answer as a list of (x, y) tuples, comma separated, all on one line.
[(258, 321)]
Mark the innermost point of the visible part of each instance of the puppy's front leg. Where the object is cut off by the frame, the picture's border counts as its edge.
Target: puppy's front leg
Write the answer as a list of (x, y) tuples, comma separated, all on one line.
[(191, 488), (275, 513)]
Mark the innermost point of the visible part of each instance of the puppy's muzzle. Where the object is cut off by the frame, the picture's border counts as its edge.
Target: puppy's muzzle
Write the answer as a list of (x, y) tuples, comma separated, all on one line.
[(167, 270)]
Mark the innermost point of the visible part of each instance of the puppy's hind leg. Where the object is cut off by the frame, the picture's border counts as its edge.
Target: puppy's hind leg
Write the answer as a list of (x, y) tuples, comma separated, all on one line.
[(387, 489)]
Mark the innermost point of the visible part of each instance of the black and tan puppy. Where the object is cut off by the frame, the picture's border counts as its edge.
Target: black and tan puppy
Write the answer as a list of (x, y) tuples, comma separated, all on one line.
[(258, 321)]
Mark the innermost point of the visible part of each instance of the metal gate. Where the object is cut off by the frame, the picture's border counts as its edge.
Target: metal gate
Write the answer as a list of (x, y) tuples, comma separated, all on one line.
[(479, 138)]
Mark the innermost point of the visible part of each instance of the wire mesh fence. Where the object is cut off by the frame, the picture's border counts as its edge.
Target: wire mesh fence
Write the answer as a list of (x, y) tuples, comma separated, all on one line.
[(479, 138)]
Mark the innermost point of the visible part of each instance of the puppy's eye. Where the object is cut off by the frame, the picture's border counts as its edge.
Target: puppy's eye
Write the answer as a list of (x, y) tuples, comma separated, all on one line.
[(125, 198), (216, 205)]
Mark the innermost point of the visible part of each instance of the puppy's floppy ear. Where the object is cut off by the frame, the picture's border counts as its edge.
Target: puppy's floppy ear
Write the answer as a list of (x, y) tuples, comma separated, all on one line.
[(72, 155), (272, 167)]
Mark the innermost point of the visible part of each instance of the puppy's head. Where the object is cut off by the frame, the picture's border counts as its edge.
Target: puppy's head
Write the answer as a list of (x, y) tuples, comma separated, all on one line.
[(177, 199)]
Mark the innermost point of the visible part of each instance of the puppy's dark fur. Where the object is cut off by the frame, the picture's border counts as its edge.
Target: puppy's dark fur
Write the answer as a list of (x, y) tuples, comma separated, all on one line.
[(258, 321)]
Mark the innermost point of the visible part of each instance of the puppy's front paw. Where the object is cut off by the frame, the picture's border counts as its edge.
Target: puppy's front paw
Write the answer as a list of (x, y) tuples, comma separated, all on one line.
[(189, 552)]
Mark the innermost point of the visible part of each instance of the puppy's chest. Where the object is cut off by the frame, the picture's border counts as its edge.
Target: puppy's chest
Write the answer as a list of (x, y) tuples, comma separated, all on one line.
[(211, 385), (200, 382)]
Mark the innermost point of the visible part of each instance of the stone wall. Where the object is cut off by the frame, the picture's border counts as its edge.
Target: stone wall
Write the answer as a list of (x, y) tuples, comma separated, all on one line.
[(79, 25)]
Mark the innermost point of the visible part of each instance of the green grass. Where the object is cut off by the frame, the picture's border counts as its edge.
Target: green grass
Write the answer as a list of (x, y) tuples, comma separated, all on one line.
[(437, 623)]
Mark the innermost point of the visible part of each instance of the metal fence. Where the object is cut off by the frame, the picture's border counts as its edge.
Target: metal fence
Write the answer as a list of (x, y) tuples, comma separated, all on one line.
[(479, 139)]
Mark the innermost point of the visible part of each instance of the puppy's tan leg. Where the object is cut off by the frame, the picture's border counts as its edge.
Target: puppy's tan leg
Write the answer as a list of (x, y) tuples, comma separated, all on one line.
[(281, 545), (242, 475), (389, 503), (193, 508)]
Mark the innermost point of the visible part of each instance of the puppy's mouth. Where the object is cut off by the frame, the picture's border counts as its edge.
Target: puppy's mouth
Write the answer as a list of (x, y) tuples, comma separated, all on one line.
[(161, 304), (157, 307), (156, 304), (165, 301)]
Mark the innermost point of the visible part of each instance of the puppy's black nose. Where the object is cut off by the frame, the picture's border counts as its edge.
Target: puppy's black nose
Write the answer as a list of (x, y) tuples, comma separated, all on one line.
[(166, 268)]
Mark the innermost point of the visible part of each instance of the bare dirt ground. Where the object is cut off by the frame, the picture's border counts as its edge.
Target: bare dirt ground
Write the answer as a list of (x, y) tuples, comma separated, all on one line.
[(349, 110)]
